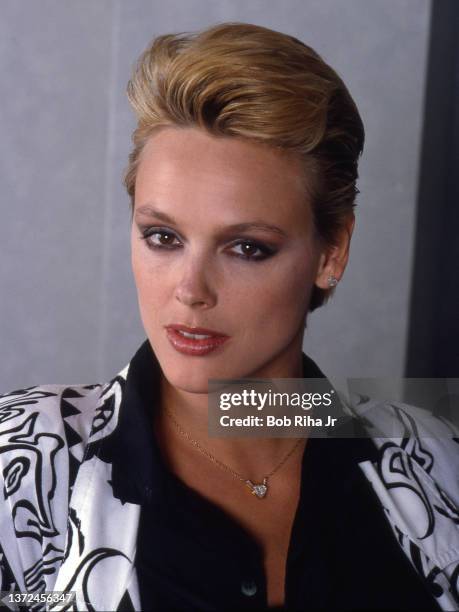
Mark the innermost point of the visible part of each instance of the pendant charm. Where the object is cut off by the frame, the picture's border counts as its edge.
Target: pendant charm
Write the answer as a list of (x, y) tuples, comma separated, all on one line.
[(259, 490)]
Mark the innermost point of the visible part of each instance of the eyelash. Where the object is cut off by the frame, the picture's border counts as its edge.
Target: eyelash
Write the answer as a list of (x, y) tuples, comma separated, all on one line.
[(264, 249)]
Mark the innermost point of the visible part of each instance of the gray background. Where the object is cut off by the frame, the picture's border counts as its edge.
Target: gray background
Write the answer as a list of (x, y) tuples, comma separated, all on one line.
[(68, 309)]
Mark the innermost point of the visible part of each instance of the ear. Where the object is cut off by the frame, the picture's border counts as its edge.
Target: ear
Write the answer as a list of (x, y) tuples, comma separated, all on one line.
[(333, 259)]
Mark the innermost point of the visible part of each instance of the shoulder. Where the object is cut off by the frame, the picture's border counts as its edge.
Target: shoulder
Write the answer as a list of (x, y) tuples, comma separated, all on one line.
[(45, 402), (35, 415), (46, 434), (416, 478), (75, 412), (46, 431), (413, 441), (431, 440)]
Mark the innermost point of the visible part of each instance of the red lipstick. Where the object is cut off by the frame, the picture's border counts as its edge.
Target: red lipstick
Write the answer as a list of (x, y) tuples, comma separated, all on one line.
[(196, 341)]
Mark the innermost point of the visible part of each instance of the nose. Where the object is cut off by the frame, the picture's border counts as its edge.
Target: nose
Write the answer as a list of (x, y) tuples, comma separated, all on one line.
[(194, 287)]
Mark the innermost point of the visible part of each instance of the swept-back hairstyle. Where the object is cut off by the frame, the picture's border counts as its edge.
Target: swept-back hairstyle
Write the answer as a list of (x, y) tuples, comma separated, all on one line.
[(246, 81)]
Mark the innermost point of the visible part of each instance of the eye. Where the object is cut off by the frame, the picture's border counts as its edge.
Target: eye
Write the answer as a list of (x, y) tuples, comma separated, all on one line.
[(159, 238), (252, 251)]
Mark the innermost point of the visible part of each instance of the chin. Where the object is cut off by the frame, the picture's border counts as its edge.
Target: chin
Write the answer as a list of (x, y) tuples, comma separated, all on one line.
[(189, 373), (188, 378)]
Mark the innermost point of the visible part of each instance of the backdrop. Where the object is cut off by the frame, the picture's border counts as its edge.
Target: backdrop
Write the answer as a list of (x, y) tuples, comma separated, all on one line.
[(68, 309)]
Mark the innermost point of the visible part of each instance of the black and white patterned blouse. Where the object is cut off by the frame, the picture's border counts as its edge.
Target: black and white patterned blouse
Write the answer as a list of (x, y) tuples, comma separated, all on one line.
[(87, 505)]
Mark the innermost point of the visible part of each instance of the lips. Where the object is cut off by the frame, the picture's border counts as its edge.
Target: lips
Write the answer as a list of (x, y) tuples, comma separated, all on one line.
[(194, 340)]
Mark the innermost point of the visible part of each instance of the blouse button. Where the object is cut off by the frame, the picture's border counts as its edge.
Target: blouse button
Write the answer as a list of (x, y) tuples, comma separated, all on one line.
[(249, 588)]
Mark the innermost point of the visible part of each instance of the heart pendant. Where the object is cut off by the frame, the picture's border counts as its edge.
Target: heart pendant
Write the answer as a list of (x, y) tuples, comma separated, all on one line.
[(259, 490)]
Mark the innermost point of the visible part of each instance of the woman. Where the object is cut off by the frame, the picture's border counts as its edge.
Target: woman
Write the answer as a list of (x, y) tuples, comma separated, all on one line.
[(242, 183)]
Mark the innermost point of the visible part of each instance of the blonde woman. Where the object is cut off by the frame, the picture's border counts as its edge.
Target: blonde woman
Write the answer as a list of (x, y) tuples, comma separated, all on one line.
[(242, 182)]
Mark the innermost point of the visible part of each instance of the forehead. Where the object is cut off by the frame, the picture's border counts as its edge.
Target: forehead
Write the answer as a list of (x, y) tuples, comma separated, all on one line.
[(188, 171)]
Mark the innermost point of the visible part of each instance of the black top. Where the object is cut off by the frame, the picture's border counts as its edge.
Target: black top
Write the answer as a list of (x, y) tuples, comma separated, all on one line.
[(192, 556)]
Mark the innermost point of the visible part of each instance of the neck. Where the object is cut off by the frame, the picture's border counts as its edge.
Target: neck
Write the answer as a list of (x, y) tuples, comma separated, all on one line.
[(251, 457)]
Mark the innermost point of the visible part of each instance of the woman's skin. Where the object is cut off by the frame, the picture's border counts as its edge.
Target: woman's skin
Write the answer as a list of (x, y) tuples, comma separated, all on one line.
[(197, 276), (205, 185)]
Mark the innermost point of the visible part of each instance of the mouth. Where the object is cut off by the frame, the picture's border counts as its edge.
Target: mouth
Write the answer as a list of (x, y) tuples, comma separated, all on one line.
[(196, 341)]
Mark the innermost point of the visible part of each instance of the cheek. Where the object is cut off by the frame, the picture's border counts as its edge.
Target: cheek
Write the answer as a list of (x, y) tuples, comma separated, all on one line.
[(288, 293), (275, 294), (149, 281)]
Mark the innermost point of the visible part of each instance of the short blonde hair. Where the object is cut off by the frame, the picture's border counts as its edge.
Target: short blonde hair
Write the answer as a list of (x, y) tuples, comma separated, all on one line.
[(247, 81)]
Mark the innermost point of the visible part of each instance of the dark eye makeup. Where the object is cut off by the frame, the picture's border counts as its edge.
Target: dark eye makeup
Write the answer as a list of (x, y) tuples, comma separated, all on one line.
[(163, 239)]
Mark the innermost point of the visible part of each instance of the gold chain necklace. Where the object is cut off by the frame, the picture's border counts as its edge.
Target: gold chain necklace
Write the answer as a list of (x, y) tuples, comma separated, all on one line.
[(259, 490)]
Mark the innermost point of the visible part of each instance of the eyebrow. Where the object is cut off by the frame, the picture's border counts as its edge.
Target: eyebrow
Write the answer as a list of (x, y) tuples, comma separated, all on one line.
[(149, 211)]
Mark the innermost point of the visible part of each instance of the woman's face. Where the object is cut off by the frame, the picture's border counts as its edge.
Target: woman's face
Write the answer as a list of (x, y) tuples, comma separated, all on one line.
[(222, 239)]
